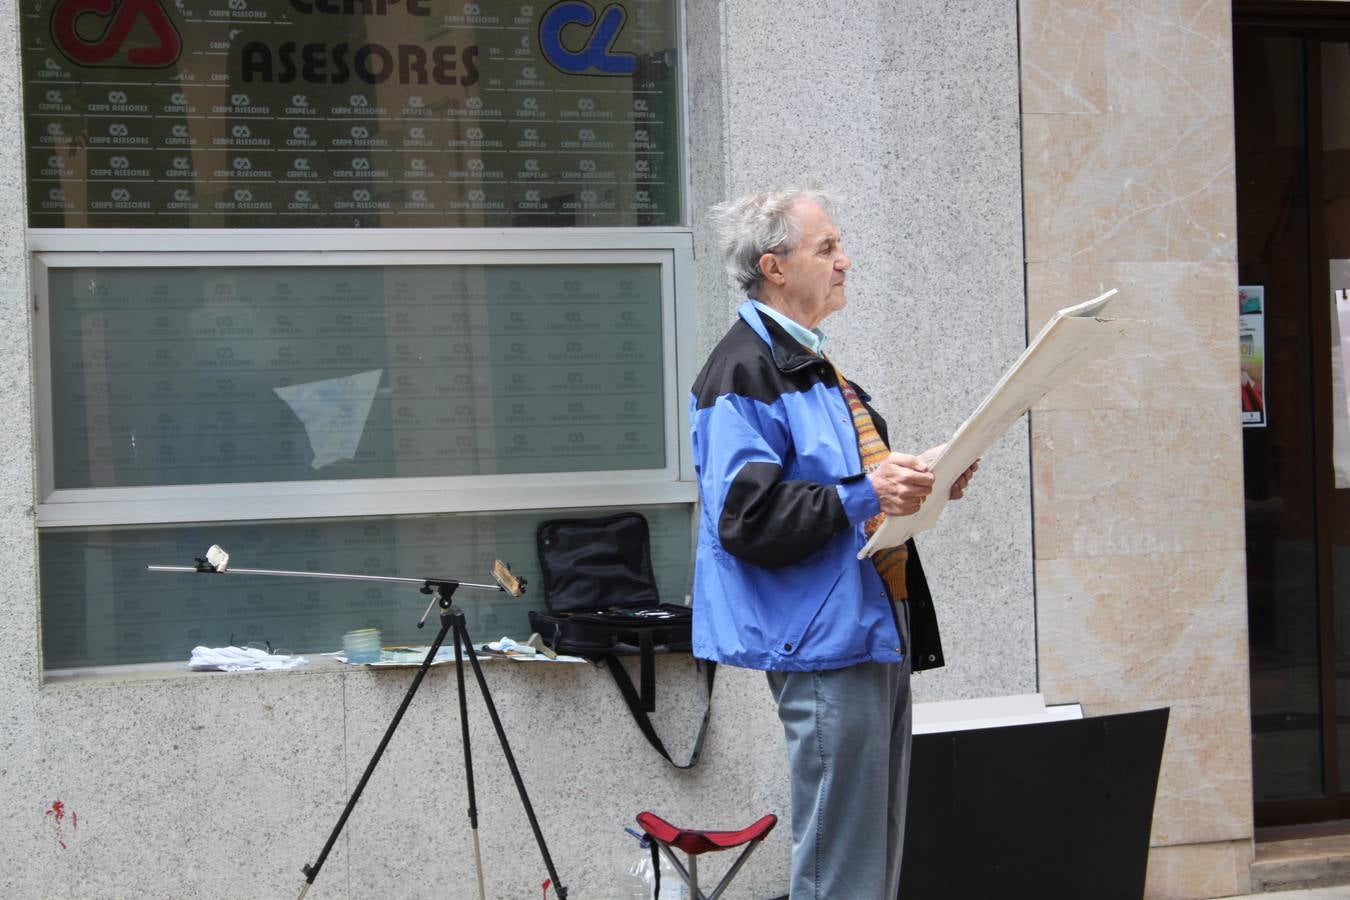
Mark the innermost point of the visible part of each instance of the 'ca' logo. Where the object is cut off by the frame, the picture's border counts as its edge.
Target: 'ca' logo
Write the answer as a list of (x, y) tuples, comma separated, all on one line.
[(596, 56), (118, 20)]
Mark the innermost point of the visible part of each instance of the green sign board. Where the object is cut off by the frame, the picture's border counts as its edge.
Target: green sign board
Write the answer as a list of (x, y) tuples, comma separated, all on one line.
[(351, 113)]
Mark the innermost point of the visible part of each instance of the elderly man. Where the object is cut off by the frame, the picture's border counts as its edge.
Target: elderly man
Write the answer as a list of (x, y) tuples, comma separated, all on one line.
[(794, 474)]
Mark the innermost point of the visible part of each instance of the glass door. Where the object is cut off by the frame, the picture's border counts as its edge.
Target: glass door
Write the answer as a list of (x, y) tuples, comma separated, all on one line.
[(1292, 133)]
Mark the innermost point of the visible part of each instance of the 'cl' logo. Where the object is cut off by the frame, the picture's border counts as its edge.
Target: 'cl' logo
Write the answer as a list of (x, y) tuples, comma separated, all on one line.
[(121, 18), (597, 56)]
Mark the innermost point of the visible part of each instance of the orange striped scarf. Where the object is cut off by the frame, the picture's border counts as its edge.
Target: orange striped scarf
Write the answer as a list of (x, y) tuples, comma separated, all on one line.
[(890, 562)]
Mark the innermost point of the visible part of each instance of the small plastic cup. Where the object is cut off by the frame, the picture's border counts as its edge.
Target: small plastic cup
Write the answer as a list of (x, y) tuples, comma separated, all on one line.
[(362, 646)]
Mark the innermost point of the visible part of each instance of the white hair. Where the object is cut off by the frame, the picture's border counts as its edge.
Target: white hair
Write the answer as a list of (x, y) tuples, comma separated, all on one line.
[(756, 224)]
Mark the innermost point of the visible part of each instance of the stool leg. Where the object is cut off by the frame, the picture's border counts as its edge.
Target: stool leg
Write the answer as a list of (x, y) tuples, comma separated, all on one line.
[(689, 876), (731, 873)]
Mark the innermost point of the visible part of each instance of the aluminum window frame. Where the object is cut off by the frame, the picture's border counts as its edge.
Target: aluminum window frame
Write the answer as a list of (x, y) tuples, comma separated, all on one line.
[(670, 248)]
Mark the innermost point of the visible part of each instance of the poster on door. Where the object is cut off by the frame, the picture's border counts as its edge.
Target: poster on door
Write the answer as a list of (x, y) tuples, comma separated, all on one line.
[(1340, 390), (1252, 354)]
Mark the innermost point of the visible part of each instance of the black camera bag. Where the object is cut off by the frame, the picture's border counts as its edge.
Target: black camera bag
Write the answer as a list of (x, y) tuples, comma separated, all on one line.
[(603, 604)]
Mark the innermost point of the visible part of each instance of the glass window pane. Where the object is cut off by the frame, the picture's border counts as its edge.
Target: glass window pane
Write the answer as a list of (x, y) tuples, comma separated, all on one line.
[(101, 607), (239, 113), (171, 376), (1278, 459)]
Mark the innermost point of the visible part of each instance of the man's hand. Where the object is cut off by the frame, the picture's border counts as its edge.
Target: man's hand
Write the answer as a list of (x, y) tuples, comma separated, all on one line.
[(901, 482), (959, 485)]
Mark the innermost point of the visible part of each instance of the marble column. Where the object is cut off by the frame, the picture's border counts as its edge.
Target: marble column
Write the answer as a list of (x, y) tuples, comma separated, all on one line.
[(1137, 468)]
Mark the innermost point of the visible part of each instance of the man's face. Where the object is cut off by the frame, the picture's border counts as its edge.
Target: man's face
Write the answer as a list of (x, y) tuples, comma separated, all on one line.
[(815, 270)]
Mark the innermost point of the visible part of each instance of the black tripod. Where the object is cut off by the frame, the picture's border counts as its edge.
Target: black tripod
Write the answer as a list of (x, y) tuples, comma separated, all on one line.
[(442, 590)]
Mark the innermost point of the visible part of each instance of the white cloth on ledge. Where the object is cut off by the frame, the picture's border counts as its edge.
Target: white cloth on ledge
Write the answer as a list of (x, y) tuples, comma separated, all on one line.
[(239, 659)]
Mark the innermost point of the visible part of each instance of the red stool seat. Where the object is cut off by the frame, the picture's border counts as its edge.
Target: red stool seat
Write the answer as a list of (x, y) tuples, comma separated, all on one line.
[(695, 840)]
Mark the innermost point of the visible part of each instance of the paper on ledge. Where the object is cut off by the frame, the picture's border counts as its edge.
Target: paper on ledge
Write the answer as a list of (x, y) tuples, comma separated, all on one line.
[(1073, 336)]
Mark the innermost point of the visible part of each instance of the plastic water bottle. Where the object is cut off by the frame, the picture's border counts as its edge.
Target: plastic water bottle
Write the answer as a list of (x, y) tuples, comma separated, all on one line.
[(640, 884)]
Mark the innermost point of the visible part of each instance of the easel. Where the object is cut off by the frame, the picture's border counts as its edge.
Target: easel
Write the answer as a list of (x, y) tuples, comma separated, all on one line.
[(452, 617)]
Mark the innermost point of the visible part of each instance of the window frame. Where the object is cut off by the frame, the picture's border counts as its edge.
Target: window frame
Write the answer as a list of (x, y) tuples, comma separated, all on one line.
[(671, 248)]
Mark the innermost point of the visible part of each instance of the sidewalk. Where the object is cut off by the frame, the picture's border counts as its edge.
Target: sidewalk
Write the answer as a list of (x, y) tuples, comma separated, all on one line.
[(1339, 892)]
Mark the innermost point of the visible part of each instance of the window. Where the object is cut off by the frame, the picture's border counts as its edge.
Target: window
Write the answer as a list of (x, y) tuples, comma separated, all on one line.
[(394, 411), (244, 114), (307, 282)]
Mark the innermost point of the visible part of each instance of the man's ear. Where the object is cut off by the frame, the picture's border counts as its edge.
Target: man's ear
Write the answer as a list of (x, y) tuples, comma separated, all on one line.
[(772, 268)]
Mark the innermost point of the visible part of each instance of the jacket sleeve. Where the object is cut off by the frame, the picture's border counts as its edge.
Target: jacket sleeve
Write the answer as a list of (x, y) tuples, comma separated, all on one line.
[(739, 451)]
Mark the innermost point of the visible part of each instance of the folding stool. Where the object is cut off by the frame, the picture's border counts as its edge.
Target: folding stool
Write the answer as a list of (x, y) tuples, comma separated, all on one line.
[(694, 842)]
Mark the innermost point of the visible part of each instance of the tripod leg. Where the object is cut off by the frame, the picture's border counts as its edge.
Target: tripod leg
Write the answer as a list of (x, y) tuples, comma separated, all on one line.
[(312, 872), (462, 634), (468, 756)]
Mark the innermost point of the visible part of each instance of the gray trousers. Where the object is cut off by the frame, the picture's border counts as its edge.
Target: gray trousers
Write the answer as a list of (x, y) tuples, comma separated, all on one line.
[(848, 742)]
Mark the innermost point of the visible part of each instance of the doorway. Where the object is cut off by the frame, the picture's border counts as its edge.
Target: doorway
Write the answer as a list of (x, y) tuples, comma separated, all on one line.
[(1291, 66)]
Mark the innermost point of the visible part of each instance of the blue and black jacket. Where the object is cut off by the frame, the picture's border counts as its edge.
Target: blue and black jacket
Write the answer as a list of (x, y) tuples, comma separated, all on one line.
[(777, 581)]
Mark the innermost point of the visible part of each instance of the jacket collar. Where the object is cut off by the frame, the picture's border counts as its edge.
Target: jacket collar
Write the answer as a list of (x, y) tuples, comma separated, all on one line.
[(788, 353)]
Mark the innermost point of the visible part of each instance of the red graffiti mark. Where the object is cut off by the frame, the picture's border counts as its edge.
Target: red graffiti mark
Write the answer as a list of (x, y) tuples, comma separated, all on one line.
[(58, 814), (120, 18)]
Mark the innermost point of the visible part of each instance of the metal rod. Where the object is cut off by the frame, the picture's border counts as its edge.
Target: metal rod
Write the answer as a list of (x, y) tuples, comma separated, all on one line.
[(468, 755), (340, 576), (462, 634)]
